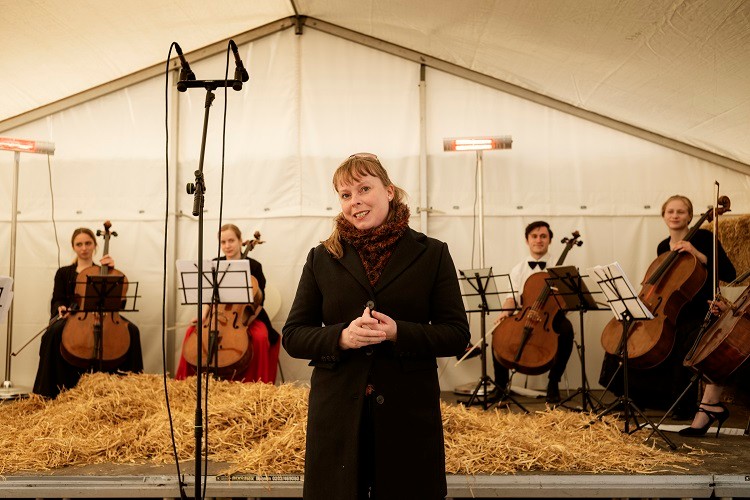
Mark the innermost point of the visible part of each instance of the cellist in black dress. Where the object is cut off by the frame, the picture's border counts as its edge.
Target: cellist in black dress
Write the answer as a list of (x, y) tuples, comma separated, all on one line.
[(54, 373), (660, 386)]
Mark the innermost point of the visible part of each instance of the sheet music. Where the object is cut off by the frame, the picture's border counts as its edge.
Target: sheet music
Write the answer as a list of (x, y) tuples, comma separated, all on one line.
[(468, 284), (620, 293), (235, 286), (6, 296)]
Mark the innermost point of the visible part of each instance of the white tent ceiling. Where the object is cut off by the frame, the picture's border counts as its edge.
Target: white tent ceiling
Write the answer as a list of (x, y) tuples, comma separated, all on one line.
[(678, 69)]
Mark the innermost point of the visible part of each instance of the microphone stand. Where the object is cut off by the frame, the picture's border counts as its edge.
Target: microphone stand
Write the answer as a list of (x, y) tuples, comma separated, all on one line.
[(197, 189)]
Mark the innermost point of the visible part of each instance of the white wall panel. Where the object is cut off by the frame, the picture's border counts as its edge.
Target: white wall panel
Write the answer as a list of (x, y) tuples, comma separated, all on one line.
[(261, 137), (355, 99), (313, 100)]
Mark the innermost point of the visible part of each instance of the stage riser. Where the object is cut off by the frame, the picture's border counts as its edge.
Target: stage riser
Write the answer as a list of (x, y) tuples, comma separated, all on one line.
[(518, 486)]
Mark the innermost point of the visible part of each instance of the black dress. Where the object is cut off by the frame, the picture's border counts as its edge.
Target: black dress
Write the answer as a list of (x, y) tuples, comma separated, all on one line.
[(660, 386), (54, 373)]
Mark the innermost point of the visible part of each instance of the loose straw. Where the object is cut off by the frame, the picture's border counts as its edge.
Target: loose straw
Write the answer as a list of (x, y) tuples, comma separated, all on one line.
[(260, 428)]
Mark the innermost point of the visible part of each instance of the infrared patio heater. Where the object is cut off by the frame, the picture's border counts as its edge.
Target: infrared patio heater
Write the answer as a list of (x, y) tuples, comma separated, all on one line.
[(18, 146), (477, 285), (479, 145)]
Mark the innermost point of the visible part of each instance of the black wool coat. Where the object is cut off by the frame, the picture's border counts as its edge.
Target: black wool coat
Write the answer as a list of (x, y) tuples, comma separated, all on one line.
[(419, 289)]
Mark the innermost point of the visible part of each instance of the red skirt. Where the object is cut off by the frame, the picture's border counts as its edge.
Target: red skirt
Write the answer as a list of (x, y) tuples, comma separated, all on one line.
[(263, 363)]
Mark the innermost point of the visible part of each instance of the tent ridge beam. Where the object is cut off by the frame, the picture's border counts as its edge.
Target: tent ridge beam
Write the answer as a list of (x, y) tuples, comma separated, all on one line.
[(143, 75), (530, 95)]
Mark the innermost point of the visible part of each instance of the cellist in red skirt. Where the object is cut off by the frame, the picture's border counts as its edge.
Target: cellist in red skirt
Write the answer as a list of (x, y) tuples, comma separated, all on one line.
[(264, 339)]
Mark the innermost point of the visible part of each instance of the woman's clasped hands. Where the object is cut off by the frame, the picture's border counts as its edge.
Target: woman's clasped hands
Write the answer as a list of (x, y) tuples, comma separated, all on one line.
[(371, 328)]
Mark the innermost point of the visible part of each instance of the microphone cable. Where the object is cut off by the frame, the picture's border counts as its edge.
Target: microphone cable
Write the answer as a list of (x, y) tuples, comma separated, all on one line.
[(180, 478)]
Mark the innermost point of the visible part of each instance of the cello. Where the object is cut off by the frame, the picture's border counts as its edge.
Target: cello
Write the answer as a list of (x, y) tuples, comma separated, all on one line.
[(231, 354), (94, 337), (525, 342), (725, 345), (671, 281)]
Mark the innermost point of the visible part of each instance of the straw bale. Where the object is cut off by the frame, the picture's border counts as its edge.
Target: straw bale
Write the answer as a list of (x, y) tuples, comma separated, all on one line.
[(734, 231), (260, 428)]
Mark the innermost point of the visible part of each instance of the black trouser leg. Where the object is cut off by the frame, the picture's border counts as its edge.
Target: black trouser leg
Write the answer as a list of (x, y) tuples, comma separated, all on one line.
[(501, 373), (564, 330)]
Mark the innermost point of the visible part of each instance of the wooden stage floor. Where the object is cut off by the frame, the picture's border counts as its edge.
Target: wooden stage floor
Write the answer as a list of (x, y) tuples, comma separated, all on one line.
[(725, 472)]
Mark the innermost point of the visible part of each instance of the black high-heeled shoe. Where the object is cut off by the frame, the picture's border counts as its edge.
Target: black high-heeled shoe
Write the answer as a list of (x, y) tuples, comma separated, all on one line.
[(713, 416)]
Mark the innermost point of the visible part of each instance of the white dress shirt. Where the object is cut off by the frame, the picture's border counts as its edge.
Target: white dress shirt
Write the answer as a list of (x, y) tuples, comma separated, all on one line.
[(521, 272)]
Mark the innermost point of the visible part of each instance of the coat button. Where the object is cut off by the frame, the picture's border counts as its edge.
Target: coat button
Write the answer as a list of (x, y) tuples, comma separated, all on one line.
[(368, 351), (380, 399), (370, 304)]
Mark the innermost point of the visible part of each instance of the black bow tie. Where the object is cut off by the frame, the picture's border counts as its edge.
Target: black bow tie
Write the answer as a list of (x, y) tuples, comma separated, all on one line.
[(533, 264)]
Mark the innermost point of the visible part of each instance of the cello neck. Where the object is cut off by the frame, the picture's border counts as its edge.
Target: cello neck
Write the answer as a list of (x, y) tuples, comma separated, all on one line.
[(104, 269), (569, 243), (250, 244), (564, 254)]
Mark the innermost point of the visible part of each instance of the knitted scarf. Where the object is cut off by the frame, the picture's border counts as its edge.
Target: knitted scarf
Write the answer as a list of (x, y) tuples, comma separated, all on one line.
[(375, 245)]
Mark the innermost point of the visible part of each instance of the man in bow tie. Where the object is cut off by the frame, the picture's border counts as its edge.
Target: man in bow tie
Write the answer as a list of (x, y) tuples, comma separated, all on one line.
[(538, 237)]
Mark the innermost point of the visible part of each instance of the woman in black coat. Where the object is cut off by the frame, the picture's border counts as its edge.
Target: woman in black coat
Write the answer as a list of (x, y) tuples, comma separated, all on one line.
[(376, 304)]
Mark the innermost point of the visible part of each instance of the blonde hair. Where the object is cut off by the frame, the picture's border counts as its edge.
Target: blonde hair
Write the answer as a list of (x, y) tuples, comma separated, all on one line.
[(82, 230), (233, 228), (683, 199), (352, 170)]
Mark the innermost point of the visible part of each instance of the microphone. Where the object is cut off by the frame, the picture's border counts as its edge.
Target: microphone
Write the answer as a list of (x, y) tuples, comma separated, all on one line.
[(185, 72), (240, 73)]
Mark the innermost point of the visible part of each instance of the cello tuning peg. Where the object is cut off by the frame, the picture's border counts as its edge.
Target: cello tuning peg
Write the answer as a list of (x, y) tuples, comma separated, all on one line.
[(113, 233), (579, 243)]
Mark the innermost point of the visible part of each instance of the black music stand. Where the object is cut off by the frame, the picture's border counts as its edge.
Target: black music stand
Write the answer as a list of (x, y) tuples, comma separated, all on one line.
[(571, 294), (8, 390), (483, 298), (627, 307), (225, 282), (102, 294)]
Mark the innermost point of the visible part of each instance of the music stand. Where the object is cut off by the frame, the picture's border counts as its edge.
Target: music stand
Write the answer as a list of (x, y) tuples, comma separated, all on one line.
[(224, 282), (572, 294), (8, 389), (481, 296), (627, 307), (102, 294)]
